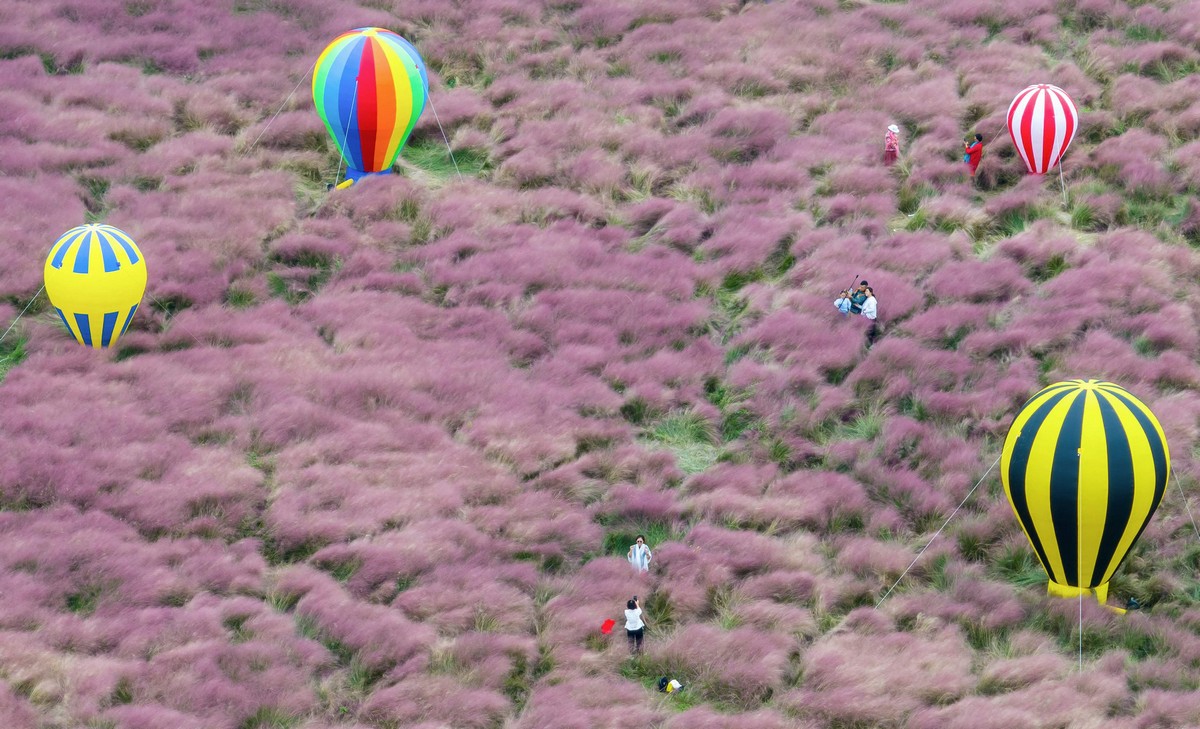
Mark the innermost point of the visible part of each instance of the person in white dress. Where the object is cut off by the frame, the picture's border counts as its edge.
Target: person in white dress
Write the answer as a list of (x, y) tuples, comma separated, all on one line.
[(639, 555), (870, 310)]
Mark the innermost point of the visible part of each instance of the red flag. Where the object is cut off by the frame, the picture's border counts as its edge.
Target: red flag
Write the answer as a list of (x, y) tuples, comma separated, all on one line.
[(607, 627)]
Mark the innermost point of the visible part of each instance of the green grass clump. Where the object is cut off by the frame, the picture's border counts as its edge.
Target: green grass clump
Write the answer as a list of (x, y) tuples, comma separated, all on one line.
[(690, 436), (12, 351), (433, 157), (269, 717), (1019, 566)]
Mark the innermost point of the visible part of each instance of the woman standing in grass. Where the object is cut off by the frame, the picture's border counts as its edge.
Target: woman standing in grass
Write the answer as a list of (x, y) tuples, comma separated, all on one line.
[(635, 629), (870, 311), (891, 145), (639, 555), (973, 153)]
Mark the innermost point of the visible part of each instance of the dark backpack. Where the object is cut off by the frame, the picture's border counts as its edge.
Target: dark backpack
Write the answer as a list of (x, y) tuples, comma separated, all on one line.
[(662, 684)]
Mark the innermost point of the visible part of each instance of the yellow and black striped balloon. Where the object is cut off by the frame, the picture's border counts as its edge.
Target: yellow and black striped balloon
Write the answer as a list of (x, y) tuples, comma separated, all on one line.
[(1084, 466)]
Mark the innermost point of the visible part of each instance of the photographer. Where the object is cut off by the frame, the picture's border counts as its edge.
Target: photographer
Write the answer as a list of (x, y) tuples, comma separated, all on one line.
[(857, 297), (635, 629)]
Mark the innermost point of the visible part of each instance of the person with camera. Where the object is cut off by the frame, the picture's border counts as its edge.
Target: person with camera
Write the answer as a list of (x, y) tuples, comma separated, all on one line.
[(973, 153), (857, 297), (635, 629)]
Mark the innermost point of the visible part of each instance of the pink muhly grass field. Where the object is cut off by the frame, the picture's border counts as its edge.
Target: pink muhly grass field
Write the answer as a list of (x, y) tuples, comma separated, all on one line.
[(373, 457)]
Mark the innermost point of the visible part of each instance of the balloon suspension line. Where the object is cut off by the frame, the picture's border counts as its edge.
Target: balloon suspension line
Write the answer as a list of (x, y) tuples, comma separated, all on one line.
[(939, 531), (1081, 631), (446, 139), (1183, 495), (346, 134), (162, 307), (278, 111), (1062, 182), (14, 321)]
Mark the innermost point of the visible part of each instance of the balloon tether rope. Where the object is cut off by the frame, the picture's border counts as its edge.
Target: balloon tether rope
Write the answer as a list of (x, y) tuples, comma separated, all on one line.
[(14, 321), (1183, 495), (446, 139), (939, 531), (170, 317), (1062, 182), (278, 111)]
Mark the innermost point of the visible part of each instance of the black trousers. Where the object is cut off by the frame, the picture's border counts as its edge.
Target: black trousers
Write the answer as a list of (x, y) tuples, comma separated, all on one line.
[(635, 639)]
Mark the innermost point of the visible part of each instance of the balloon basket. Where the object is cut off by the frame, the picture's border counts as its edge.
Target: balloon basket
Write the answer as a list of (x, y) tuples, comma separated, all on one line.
[(1100, 592)]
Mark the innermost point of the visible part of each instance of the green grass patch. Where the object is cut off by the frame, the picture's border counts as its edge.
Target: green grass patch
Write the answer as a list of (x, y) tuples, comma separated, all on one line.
[(1083, 217), (1147, 211), (12, 351), (867, 426), (1019, 566), (239, 298), (432, 157), (269, 717), (1138, 33), (85, 600), (236, 625), (122, 693), (683, 428), (909, 198), (974, 546), (690, 436), (1043, 272), (297, 285), (637, 411)]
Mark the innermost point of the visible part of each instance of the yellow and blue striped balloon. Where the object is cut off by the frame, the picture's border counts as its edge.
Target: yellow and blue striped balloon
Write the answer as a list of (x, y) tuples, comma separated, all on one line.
[(1084, 466), (95, 277)]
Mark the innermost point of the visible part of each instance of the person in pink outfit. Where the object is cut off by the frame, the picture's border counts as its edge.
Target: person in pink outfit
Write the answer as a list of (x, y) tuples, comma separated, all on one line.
[(891, 145)]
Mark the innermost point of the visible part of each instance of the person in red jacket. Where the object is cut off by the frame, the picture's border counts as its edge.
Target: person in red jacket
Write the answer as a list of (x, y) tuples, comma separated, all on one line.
[(973, 152)]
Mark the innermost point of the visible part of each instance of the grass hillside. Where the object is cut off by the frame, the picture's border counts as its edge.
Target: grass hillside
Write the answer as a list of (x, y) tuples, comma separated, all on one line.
[(372, 457)]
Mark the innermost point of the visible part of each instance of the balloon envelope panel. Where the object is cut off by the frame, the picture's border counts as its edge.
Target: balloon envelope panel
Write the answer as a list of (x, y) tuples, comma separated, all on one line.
[(95, 277), (1084, 466), (369, 87)]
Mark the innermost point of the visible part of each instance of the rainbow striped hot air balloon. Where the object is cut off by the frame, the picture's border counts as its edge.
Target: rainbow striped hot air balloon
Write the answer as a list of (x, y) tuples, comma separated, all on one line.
[(1084, 466), (95, 277), (1042, 121), (370, 87)]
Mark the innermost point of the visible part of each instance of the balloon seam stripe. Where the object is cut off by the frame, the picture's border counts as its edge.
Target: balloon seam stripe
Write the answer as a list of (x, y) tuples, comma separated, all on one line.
[(1119, 508)]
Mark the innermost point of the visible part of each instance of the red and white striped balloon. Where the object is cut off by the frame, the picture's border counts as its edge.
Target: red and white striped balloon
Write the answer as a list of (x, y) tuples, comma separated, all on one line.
[(1042, 121)]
